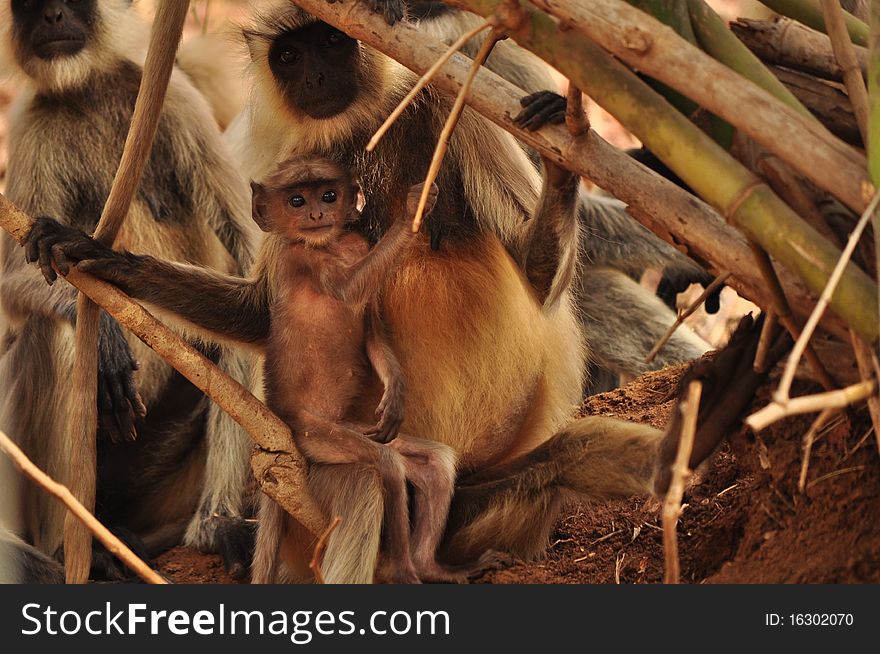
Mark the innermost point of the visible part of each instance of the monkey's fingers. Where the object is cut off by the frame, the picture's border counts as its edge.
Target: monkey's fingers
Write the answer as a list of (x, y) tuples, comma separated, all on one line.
[(62, 263), (45, 259), (539, 109)]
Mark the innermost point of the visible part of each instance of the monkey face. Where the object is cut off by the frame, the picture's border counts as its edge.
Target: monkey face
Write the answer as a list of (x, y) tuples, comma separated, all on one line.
[(316, 67), (53, 28)]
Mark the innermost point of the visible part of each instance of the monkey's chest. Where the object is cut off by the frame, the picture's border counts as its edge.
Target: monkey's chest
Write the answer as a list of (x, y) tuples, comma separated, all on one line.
[(316, 357)]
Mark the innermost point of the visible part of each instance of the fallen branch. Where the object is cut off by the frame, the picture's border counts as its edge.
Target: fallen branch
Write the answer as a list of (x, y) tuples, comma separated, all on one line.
[(270, 432), (115, 546), (711, 288), (811, 403), (810, 13), (680, 474)]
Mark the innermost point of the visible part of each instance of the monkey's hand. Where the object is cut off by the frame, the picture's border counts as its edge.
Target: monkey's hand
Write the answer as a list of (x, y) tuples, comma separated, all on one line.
[(415, 194), (390, 415), (539, 109), (119, 403), (51, 242)]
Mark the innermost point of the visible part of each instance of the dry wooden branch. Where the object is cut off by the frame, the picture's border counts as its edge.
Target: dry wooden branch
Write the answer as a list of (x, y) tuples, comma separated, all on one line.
[(164, 39), (711, 288), (449, 126), (848, 62), (809, 437), (656, 50), (680, 475), (826, 100), (661, 205), (576, 120), (115, 546), (810, 403), (270, 433), (791, 44), (318, 552), (782, 394)]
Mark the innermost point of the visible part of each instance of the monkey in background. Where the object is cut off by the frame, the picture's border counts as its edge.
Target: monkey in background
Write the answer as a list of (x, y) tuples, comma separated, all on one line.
[(186, 475), (325, 335)]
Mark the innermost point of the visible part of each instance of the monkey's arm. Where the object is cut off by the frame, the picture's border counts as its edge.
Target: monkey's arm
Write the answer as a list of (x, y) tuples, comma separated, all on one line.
[(549, 241), (231, 307), (23, 293), (357, 284), (390, 409)]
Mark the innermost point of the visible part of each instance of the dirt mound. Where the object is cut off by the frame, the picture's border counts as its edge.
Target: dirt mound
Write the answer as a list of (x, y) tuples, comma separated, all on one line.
[(745, 521)]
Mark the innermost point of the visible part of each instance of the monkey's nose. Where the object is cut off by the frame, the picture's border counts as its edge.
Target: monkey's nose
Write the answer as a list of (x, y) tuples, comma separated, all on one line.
[(53, 14), (320, 216)]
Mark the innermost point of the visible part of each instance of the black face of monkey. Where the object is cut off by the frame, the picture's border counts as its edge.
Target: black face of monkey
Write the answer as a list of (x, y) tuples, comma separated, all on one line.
[(317, 69), (53, 28)]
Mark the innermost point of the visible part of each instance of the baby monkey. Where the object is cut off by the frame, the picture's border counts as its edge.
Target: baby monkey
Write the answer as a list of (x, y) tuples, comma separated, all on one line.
[(325, 340)]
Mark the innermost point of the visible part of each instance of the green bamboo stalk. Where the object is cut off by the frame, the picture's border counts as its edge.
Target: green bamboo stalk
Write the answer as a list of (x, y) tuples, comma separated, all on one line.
[(716, 38), (675, 14), (722, 181), (810, 14)]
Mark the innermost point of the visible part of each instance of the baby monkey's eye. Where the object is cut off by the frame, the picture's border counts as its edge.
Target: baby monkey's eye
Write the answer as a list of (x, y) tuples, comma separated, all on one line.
[(297, 201), (329, 196)]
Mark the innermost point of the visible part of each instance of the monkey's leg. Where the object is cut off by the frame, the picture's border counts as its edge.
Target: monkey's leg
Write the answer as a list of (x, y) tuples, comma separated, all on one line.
[(622, 322), (340, 455), (270, 532)]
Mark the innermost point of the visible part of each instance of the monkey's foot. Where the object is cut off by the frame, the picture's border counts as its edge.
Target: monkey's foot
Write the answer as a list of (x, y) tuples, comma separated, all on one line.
[(436, 573), (539, 109), (232, 537)]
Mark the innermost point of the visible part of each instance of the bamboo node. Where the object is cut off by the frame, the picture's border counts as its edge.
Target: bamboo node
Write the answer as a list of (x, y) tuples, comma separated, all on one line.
[(637, 40), (868, 190), (740, 199)]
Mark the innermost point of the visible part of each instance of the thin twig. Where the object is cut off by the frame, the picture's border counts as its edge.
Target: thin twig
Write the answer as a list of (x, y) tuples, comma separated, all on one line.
[(768, 329), (320, 546), (864, 359), (782, 394), (110, 541), (451, 122), (809, 437), (711, 288), (424, 80), (576, 120), (834, 474), (836, 399), (845, 54), (680, 474)]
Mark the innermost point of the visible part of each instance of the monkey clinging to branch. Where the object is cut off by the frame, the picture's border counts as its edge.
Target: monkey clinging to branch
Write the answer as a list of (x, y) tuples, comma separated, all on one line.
[(325, 333)]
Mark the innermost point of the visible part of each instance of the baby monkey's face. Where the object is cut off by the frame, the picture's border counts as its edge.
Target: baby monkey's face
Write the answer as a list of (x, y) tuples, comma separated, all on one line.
[(316, 214)]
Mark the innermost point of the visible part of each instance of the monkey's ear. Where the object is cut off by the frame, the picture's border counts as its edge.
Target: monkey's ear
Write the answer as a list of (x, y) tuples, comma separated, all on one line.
[(360, 200), (259, 208)]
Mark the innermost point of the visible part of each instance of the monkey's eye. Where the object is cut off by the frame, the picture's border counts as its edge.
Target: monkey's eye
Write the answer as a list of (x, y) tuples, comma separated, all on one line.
[(297, 201), (288, 56), (335, 37), (329, 196)]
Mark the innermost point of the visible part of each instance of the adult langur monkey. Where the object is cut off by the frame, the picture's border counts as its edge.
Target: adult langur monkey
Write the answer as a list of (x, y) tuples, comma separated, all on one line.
[(621, 319), (182, 468), (494, 360)]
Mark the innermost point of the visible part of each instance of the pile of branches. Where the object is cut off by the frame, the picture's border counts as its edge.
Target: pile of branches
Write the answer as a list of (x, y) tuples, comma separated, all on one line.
[(766, 123)]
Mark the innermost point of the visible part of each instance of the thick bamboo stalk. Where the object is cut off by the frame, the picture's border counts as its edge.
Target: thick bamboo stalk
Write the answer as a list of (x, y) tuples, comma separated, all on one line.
[(786, 42), (270, 432), (810, 14), (164, 39), (651, 47), (665, 208), (725, 183)]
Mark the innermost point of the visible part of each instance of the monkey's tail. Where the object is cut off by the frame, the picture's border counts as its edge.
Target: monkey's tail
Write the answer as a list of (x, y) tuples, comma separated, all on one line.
[(353, 548), (513, 506)]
